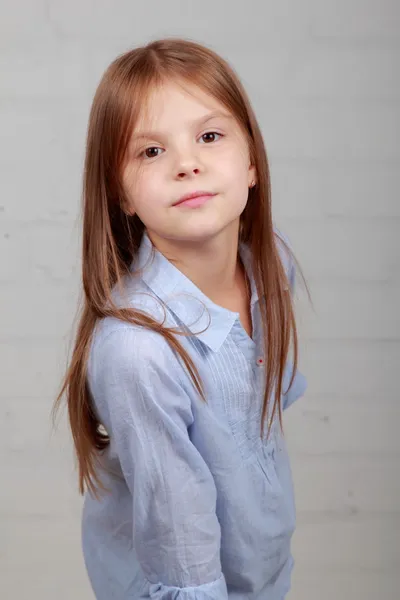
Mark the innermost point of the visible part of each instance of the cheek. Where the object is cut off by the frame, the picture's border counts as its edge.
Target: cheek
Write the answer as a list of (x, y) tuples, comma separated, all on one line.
[(235, 165), (236, 176), (142, 189), (150, 191)]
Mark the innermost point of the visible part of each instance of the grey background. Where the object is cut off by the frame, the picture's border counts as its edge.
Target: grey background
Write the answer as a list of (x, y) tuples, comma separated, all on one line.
[(324, 79)]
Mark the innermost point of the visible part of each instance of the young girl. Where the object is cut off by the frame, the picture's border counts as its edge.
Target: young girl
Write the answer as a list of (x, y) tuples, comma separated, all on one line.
[(180, 369)]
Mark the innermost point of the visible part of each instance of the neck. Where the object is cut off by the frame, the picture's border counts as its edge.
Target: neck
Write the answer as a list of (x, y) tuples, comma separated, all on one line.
[(212, 265)]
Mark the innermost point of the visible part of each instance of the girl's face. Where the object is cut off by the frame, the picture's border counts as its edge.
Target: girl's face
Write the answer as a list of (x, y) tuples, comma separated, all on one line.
[(187, 142)]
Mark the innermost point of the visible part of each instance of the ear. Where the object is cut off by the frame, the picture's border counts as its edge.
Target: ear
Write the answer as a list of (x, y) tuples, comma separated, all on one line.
[(126, 206), (128, 210), (252, 178)]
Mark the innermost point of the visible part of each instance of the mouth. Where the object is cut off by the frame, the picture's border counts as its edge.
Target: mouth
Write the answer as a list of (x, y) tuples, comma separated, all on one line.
[(194, 199)]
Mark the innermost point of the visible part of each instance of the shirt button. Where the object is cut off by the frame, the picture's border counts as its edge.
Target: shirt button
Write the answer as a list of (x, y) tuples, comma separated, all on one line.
[(260, 361)]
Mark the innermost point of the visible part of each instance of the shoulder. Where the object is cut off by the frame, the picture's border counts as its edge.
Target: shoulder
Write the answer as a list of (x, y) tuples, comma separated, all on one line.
[(134, 378), (115, 340), (132, 292), (117, 346)]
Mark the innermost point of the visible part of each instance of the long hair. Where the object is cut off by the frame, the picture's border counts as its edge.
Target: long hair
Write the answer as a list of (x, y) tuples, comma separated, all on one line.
[(111, 239)]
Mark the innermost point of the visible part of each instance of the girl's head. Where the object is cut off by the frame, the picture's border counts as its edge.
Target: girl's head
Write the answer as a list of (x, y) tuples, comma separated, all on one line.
[(169, 119), (184, 141)]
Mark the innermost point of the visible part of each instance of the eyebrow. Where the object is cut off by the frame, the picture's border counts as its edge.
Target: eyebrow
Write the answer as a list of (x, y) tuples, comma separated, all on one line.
[(202, 121)]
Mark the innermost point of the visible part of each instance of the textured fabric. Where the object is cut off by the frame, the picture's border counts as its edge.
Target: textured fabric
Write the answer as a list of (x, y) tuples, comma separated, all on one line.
[(199, 506)]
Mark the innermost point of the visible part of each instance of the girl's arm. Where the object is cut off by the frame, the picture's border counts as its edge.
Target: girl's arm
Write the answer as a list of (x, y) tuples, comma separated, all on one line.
[(175, 528)]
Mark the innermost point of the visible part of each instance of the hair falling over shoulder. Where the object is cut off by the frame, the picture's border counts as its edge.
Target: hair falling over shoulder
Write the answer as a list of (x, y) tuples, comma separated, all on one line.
[(111, 238)]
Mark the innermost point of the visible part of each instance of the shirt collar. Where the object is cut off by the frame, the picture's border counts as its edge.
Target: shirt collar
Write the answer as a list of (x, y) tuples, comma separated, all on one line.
[(209, 322)]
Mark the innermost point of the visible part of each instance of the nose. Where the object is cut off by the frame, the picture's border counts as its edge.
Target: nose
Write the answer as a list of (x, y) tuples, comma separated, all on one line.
[(187, 165), (187, 173)]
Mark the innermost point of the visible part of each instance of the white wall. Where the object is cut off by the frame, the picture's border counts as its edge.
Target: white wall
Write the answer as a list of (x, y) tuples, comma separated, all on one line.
[(324, 78)]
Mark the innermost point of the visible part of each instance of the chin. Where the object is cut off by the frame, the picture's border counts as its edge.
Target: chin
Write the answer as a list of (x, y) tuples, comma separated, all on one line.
[(201, 233), (198, 228)]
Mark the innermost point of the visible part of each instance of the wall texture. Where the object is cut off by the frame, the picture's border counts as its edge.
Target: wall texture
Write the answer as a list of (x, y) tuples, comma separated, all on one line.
[(324, 79)]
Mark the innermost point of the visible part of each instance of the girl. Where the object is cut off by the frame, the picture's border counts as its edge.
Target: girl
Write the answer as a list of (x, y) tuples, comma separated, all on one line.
[(180, 369)]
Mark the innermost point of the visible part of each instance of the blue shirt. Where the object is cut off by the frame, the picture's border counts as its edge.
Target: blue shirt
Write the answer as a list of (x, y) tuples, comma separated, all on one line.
[(199, 506)]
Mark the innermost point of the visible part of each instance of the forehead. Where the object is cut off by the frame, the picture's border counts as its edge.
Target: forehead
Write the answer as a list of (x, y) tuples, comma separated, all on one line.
[(172, 103)]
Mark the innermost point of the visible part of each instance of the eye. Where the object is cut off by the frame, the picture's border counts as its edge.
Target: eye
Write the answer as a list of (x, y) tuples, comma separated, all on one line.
[(151, 152), (210, 136)]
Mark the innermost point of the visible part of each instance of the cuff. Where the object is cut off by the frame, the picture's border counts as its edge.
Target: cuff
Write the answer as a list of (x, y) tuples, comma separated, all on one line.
[(215, 590)]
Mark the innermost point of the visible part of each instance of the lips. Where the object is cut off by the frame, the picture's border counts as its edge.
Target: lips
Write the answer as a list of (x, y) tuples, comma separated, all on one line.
[(194, 198)]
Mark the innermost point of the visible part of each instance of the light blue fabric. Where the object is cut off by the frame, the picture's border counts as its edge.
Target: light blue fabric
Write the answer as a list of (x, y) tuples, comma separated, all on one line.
[(200, 508)]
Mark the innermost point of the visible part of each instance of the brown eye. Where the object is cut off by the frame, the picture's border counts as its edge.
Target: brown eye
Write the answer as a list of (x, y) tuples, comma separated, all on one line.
[(210, 136), (151, 152)]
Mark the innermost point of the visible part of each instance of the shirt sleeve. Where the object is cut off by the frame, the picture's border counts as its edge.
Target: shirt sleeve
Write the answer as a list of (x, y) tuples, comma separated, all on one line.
[(285, 252), (176, 532), (298, 388), (299, 384), (292, 275)]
